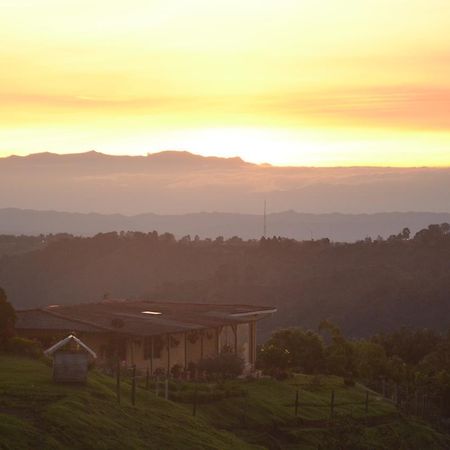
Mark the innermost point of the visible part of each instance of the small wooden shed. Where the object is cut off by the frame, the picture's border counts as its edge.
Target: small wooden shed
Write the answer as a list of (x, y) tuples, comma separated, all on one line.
[(71, 359)]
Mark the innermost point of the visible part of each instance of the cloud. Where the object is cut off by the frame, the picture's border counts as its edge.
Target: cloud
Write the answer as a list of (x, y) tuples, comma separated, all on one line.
[(412, 107), (397, 107)]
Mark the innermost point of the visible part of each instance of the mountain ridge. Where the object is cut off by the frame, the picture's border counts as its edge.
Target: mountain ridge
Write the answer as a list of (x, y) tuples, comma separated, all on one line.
[(297, 225), (175, 182)]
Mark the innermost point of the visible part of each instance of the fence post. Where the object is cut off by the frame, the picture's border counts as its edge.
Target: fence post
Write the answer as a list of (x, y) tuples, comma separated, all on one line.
[(157, 386), (296, 403), (147, 379), (367, 402), (244, 412), (194, 404), (133, 385), (332, 405), (118, 380), (166, 395)]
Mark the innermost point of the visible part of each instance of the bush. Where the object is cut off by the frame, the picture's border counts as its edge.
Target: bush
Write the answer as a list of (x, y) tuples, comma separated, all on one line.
[(226, 365), (23, 347)]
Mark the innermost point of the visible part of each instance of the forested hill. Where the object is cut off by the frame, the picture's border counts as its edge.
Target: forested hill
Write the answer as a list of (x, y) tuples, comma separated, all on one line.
[(364, 287)]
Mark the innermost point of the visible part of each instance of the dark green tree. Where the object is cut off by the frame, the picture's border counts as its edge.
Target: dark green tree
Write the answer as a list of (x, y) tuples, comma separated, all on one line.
[(293, 348), (7, 318)]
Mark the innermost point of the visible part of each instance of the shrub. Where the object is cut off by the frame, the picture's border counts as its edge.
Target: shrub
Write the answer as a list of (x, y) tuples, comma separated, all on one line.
[(226, 365), (176, 371), (23, 347)]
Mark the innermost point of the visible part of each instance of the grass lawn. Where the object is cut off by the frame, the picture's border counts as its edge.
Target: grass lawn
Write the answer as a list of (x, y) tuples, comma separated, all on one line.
[(35, 413)]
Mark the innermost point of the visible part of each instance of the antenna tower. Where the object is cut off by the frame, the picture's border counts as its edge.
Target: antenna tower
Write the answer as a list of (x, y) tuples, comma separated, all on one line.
[(265, 219)]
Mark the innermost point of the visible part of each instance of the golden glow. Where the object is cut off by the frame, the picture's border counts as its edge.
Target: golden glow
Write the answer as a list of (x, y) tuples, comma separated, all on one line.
[(286, 82)]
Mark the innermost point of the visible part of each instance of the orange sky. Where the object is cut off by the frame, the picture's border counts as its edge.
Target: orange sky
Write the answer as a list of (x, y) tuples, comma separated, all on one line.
[(287, 82)]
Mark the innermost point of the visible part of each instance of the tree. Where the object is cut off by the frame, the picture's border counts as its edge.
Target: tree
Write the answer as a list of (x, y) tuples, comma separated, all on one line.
[(371, 360), (293, 348), (340, 355), (7, 318)]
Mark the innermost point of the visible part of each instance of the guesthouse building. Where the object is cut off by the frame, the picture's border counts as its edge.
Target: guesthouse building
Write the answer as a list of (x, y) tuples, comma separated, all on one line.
[(152, 335)]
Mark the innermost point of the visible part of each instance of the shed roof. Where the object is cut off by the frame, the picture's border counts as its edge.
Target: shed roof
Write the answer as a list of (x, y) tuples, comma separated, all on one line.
[(65, 341)]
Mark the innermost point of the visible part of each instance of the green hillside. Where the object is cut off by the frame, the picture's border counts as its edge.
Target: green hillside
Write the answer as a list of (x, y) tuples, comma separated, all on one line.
[(37, 414)]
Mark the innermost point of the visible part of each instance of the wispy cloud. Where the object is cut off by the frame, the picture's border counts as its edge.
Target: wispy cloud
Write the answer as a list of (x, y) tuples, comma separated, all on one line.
[(403, 107)]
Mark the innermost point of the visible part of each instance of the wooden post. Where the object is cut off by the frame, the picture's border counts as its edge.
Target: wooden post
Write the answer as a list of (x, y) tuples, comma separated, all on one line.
[(244, 412), (118, 380), (133, 385), (157, 386), (234, 328), (296, 403), (332, 405), (194, 404), (167, 389), (147, 379), (367, 402)]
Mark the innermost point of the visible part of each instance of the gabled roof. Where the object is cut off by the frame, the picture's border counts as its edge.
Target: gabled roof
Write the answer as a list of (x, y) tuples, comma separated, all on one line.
[(65, 341), (145, 318)]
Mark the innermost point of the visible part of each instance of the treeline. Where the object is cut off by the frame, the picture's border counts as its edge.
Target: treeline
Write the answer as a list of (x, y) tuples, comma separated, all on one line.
[(363, 287), (412, 366), (12, 245)]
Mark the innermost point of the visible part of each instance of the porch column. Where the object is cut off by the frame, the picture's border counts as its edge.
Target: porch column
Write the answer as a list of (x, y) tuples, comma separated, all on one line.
[(152, 349), (234, 328), (253, 341), (185, 351), (168, 355), (218, 330), (201, 344)]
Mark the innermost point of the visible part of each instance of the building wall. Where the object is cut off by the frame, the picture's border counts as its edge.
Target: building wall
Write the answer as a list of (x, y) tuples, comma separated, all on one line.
[(207, 344), (227, 338), (210, 337)]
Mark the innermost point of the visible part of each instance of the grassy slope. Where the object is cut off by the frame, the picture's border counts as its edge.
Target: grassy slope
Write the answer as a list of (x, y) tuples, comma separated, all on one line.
[(35, 413), (267, 417)]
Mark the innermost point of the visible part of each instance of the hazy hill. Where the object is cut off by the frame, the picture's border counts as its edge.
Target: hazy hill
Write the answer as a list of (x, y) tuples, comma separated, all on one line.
[(301, 226), (180, 182)]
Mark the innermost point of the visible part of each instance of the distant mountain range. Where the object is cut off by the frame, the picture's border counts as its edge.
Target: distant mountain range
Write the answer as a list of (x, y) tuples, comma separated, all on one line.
[(337, 227), (182, 183)]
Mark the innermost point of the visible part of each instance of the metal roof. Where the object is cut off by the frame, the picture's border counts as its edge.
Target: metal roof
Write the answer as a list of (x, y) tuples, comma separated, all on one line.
[(138, 318)]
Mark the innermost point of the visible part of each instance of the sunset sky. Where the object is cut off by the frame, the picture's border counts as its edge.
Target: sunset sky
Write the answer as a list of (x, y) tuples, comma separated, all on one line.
[(314, 82)]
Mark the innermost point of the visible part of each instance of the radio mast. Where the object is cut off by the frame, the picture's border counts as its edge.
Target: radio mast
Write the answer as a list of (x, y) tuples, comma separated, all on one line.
[(265, 219)]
